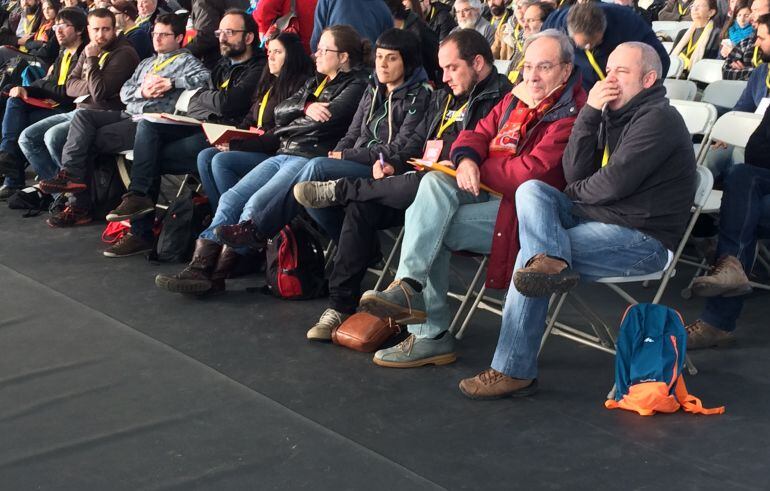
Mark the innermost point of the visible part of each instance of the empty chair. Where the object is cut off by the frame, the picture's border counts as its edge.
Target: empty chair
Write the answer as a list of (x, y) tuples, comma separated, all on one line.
[(724, 93), (699, 117), (706, 71), (684, 90), (668, 46)]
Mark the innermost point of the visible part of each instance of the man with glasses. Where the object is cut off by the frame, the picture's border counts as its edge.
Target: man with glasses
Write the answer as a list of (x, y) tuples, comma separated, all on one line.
[(206, 16), (522, 138), (167, 148), (625, 206), (154, 87), (69, 28), (126, 14), (468, 14)]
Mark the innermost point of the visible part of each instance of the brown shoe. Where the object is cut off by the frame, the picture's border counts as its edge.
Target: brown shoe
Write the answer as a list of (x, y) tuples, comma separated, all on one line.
[(702, 335), (544, 275), (491, 384), (726, 279), (132, 207), (196, 278)]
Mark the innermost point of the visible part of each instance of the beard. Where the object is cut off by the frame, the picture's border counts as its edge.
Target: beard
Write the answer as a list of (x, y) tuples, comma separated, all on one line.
[(31, 10), (764, 56), (232, 50), (469, 23), (497, 10)]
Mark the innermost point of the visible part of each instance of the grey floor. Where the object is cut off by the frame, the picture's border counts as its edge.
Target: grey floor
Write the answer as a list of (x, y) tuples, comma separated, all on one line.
[(107, 382)]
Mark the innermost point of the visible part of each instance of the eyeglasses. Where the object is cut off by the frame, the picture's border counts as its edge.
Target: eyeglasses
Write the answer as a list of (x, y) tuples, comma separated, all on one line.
[(323, 51), (161, 34), (540, 67), (227, 32), (60, 27), (465, 11)]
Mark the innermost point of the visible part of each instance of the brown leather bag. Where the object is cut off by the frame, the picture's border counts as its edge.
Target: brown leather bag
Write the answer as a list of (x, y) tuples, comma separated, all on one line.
[(364, 332)]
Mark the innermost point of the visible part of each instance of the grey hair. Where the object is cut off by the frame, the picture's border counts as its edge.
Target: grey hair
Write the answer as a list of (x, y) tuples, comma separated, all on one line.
[(474, 4), (566, 50), (650, 58)]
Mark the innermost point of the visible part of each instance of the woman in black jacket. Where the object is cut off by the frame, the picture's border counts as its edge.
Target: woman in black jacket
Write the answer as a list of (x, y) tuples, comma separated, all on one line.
[(307, 125), (287, 69)]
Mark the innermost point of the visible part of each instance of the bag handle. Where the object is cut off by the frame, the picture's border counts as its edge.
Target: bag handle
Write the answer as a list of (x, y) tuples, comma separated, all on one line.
[(690, 403)]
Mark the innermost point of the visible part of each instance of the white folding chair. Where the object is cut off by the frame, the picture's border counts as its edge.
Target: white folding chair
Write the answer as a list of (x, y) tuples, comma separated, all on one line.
[(502, 66), (724, 93), (684, 90), (699, 117), (603, 338), (676, 68), (669, 28), (667, 45), (706, 71)]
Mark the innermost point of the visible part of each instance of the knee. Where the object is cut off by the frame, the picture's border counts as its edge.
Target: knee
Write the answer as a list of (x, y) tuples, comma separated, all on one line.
[(530, 191), (435, 183), (205, 160), (312, 171)]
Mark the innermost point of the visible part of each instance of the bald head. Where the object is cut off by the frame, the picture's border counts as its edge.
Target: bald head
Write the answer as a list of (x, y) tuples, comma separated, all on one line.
[(648, 57)]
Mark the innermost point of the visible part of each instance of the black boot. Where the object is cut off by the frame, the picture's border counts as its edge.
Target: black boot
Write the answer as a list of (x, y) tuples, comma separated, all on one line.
[(196, 278)]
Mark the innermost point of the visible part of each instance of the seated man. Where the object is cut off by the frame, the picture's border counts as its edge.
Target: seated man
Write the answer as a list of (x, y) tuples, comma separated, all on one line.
[(468, 14), (95, 82), (522, 138), (70, 30), (626, 204), (744, 57), (125, 15), (597, 28), (741, 221), (372, 204), (167, 148), (155, 86), (206, 15)]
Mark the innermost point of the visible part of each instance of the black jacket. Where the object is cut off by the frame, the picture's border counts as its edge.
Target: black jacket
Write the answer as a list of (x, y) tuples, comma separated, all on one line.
[(206, 15), (758, 146), (48, 87), (386, 123), (440, 19), (44, 50), (305, 137), (428, 45), (648, 183), (228, 105)]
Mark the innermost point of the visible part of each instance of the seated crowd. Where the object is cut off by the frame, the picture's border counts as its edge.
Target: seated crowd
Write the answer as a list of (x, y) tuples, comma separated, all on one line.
[(571, 166)]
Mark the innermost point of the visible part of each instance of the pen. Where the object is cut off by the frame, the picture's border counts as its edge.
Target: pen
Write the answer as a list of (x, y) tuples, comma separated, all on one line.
[(382, 163)]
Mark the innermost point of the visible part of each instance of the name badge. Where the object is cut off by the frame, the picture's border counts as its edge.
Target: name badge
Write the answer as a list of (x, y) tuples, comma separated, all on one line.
[(433, 150)]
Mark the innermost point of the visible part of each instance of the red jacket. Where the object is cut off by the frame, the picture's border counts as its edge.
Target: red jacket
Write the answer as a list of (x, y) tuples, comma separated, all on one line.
[(539, 157), (268, 11)]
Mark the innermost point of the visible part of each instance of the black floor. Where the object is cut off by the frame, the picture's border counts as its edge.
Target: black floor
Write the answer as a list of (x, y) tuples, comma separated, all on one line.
[(109, 383)]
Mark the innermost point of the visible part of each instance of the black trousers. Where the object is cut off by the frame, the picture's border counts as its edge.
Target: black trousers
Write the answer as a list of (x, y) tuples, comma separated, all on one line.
[(370, 205)]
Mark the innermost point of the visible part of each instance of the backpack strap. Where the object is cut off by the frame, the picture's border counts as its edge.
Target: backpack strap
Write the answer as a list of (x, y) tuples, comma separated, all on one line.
[(690, 403)]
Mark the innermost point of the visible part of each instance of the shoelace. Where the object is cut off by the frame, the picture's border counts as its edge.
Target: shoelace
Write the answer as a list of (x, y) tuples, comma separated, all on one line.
[(400, 284), (718, 267), (490, 376), (406, 345), (330, 317), (695, 327)]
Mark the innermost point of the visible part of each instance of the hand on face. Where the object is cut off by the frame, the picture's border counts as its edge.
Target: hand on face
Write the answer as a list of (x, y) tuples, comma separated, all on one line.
[(603, 92), (92, 49)]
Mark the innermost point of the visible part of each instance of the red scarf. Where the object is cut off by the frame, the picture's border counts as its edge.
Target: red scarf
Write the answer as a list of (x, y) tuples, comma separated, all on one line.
[(520, 119)]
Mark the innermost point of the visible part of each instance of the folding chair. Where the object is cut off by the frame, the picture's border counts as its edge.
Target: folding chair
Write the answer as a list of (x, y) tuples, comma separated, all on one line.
[(724, 93), (387, 267), (603, 338), (700, 118), (684, 90), (502, 66), (676, 68), (667, 45), (480, 300), (706, 71), (668, 28)]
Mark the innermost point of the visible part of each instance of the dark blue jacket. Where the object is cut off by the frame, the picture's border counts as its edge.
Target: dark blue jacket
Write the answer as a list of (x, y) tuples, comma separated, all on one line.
[(623, 25), (369, 17), (755, 90), (141, 41)]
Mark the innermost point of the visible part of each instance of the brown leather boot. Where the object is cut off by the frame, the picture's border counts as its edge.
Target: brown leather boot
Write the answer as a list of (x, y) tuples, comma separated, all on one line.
[(491, 384), (702, 335), (196, 278), (726, 279), (544, 275), (226, 264)]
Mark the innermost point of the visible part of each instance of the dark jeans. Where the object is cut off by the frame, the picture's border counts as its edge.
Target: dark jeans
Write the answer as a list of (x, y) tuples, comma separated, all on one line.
[(18, 115), (369, 205), (161, 149), (745, 187)]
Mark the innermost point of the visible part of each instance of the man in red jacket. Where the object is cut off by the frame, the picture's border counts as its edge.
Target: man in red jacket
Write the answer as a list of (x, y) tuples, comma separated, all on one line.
[(522, 138)]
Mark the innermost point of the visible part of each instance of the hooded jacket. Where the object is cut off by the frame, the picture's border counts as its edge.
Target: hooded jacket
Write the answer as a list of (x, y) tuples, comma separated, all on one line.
[(648, 183), (302, 136), (384, 123), (538, 156), (48, 87)]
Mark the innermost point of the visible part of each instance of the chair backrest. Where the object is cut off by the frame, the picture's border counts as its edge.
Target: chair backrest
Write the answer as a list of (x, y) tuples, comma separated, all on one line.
[(676, 68), (704, 183), (669, 28), (684, 90), (706, 71), (698, 116), (184, 101), (735, 128), (724, 93), (502, 66), (668, 45)]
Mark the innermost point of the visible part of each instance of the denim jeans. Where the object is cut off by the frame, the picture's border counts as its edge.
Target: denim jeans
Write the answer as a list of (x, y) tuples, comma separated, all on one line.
[(593, 249), (720, 160), (254, 190), (219, 171), (18, 115), (442, 219), (42, 143), (283, 207), (742, 219)]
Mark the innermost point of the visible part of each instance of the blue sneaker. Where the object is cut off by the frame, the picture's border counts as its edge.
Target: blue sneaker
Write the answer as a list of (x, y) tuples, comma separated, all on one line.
[(416, 352)]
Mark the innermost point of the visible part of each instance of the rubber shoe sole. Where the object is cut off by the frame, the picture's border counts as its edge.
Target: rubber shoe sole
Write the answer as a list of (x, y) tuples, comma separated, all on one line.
[(108, 253), (319, 335), (527, 391), (711, 290), (720, 343), (71, 187), (437, 360), (112, 217), (188, 287), (81, 221), (543, 285), (400, 314)]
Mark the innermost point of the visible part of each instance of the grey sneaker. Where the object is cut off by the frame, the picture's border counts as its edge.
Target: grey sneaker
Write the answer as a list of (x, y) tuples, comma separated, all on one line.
[(416, 352), (329, 320), (399, 302), (316, 194)]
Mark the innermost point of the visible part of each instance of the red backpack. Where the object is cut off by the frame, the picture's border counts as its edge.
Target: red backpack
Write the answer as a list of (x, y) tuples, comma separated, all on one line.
[(295, 264)]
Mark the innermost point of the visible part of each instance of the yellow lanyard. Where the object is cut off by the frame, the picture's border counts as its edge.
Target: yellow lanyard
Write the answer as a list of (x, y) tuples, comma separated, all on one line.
[(606, 156), (64, 68), (516, 37), (767, 80), (103, 59), (514, 75), (158, 67), (502, 20), (225, 84), (432, 13), (682, 11), (755, 59), (132, 28), (320, 87), (28, 21), (262, 106), (449, 122), (691, 47), (592, 61)]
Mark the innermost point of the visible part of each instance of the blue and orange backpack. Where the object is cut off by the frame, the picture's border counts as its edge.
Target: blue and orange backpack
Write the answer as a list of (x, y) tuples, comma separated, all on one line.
[(650, 357)]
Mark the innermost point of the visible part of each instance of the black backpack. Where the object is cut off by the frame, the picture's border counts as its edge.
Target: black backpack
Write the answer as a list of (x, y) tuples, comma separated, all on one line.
[(185, 218), (106, 187), (295, 263)]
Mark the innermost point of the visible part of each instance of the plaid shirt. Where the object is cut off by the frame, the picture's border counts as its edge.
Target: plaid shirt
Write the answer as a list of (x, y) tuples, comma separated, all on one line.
[(743, 52)]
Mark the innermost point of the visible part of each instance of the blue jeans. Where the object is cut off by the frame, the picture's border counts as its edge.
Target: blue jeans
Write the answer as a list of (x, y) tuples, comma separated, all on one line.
[(254, 190), (742, 219), (18, 115), (593, 249), (283, 207), (42, 143), (219, 171), (442, 219)]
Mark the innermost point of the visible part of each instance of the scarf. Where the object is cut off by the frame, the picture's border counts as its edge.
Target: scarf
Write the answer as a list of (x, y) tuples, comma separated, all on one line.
[(702, 41), (521, 118), (737, 33)]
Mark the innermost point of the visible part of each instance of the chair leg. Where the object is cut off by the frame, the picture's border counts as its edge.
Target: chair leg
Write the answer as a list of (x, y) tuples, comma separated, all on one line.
[(389, 260), (552, 318), (474, 307), (468, 293)]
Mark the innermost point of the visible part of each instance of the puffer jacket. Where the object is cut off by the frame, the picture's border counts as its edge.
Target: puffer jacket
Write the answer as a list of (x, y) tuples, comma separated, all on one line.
[(538, 156), (302, 136), (384, 123)]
